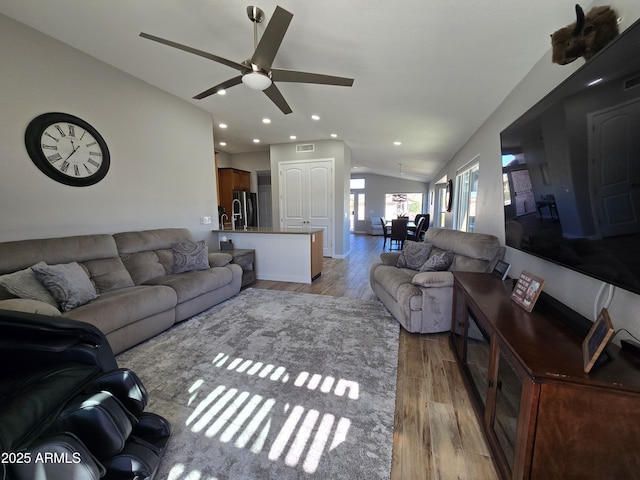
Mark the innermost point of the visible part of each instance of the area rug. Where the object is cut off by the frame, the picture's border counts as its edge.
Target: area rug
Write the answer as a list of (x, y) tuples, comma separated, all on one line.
[(275, 385)]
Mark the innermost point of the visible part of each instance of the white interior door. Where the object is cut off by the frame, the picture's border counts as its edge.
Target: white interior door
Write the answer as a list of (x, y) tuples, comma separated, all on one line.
[(306, 198)]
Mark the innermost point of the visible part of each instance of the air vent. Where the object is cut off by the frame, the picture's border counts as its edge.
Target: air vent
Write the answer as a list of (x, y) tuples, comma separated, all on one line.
[(632, 82), (305, 147)]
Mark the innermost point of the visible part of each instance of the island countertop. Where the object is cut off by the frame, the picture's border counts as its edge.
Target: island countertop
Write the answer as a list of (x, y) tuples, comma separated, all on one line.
[(306, 231), (281, 255)]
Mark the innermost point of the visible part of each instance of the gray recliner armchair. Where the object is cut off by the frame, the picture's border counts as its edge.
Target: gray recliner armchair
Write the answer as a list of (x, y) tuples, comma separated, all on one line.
[(422, 300)]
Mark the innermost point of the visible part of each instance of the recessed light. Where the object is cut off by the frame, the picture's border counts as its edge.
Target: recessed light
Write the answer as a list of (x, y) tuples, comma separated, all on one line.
[(334, 135), (256, 140), (315, 117), (221, 92), (594, 82), (266, 120), (222, 125), (222, 144), (292, 137), (397, 143)]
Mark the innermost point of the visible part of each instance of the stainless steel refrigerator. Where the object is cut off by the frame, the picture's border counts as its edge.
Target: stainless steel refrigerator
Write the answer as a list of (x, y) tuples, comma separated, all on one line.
[(245, 209)]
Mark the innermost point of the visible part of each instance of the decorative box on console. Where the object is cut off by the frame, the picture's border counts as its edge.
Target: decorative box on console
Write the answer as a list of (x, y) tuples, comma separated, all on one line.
[(226, 245)]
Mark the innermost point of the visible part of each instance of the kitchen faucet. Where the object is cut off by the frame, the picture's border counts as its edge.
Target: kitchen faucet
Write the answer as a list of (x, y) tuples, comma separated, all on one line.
[(233, 210)]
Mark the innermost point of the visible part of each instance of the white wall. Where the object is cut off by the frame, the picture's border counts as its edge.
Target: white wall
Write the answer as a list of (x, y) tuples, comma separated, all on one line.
[(573, 289), (162, 166)]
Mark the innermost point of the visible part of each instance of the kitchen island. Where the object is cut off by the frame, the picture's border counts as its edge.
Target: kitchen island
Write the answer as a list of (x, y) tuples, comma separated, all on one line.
[(282, 255)]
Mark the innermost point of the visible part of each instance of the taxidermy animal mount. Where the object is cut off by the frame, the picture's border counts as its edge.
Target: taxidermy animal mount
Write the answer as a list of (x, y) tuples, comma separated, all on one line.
[(586, 37)]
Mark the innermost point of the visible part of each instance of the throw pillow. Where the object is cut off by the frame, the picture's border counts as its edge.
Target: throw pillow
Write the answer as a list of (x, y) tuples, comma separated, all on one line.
[(188, 256), (24, 284), (413, 255), (438, 262), (68, 283)]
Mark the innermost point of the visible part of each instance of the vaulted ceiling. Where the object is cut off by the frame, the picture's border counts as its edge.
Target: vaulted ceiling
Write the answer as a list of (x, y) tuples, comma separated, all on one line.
[(427, 72)]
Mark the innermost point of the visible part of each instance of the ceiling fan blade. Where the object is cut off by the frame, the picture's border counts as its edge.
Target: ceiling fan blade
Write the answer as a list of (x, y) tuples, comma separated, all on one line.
[(271, 38), (276, 97), (279, 75), (221, 86), (210, 56)]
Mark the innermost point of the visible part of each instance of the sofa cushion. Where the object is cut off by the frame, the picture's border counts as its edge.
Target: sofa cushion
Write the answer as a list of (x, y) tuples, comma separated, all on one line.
[(413, 255), (24, 284), (391, 278), (143, 266), (474, 245), (438, 262), (30, 306), (108, 274), (124, 306), (21, 254), (68, 283), (433, 279), (468, 264), (189, 285), (147, 254), (189, 256), (218, 259)]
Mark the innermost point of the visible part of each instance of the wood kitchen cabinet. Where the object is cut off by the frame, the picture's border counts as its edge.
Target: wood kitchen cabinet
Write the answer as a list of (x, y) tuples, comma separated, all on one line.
[(230, 179), (316, 254), (543, 417)]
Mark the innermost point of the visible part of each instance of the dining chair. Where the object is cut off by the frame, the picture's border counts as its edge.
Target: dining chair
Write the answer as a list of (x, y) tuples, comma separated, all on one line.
[(414, 234), (385, 232), (398, 232)]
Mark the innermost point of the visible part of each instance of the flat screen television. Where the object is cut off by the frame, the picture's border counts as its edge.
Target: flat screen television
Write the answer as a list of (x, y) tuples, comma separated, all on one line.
[(571, 169)]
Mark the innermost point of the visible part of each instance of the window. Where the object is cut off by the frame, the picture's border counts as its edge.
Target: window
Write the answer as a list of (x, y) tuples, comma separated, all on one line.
[(441, 207), (506, 191), (356, 184), (403, 204), (466, 198)]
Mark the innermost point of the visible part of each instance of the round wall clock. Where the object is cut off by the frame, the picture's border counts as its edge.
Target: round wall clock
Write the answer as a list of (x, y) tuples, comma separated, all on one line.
[(67, 149)]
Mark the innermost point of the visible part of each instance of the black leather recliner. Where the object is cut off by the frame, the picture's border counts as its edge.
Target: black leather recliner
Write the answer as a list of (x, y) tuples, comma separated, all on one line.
[(66, 410)]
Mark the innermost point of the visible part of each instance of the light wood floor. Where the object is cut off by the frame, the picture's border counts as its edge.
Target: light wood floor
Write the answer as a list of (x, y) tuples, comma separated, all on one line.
[(437, 435)]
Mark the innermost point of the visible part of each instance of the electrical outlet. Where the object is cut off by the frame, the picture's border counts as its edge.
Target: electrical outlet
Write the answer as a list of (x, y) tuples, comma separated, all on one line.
[(205, 220)]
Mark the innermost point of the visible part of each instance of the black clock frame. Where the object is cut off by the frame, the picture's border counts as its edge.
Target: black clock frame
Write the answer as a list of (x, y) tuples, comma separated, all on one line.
[(33, 139), (448, 196)]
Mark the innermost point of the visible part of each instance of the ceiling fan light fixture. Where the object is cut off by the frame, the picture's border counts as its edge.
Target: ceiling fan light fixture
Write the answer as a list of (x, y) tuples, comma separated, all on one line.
[(256, 81)]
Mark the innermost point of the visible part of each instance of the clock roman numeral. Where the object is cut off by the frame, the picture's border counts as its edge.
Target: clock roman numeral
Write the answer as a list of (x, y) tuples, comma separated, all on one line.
[(93, 162), (54, 158), (87, 168), (51, 136), (76, 170), (60, 130), (64, 167), (72, 130), (50, 147), (90, 144), (95, 154)]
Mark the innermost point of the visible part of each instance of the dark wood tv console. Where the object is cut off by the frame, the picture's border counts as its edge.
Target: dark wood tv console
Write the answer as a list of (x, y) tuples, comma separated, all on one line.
[(543, 417)]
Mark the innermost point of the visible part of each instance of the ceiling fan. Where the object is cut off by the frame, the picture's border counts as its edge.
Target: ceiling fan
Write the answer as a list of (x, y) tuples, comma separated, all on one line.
[(256, 72)]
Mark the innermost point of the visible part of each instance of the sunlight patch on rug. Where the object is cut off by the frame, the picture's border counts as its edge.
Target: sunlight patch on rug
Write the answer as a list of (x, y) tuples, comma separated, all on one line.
[(275, 385)]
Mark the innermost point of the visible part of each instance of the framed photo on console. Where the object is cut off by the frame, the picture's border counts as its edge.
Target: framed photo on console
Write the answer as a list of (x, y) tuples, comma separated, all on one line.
[(501, 270), (597, 339), (527, 290)]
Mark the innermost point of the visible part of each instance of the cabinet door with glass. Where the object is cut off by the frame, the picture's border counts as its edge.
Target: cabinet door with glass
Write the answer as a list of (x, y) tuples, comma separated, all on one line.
[(459, 322), (511, 396)]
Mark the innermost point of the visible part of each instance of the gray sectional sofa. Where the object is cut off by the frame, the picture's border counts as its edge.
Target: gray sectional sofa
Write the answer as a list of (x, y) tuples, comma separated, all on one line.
[(141, 283), (422, 300)]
